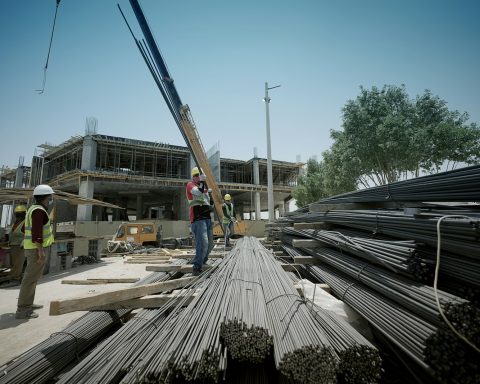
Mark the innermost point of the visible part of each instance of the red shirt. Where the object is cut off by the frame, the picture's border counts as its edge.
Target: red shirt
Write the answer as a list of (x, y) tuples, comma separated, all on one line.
[(39, 219)]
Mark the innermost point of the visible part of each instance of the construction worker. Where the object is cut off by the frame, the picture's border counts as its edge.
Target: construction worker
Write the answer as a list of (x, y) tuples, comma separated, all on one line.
[(201, 206), (228, 218), (38, 238), (15, 242)]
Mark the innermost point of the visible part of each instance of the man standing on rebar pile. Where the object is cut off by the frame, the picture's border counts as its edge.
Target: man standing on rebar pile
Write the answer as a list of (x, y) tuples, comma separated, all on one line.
[(38, 237), (228, 218), (15, 243), (200, 203)]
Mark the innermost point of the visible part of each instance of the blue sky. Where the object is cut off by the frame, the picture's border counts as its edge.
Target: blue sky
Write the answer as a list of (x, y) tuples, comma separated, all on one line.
[(220, 54)]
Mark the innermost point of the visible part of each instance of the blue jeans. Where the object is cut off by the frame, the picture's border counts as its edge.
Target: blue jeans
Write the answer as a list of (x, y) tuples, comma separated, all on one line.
[(202, 231)]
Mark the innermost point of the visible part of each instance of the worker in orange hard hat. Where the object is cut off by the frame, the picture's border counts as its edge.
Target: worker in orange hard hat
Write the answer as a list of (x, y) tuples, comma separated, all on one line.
[(15, 242), (201, 206), (229, 218), (38, 239)]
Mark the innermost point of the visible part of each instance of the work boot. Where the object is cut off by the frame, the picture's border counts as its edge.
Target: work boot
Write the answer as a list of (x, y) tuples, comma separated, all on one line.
[(196, 272), (25, 315)]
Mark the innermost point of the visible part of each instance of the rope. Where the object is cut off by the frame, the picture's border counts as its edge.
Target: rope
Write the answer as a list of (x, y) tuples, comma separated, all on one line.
[(40, 91), (435, 281)]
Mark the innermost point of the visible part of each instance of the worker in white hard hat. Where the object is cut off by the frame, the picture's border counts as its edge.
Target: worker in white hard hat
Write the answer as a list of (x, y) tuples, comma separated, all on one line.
[(229, 218), (15, 243), (201, 206), (38, 238)]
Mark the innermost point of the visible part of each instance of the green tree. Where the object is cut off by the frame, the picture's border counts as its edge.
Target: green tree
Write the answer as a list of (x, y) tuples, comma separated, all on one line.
[(387, 136), (321, 179)]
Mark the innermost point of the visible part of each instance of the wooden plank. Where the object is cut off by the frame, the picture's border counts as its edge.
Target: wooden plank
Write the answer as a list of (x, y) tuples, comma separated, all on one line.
[(307, 243), (101, 281), (144, 261), (290, 267), (305, 260), (316, 225), (188, 268), (150, 301), (192, 255), (59, 307)]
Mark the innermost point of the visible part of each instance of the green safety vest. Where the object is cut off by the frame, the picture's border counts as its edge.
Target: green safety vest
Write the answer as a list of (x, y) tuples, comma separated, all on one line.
[(46, 231), (229, 210), (16, 236)]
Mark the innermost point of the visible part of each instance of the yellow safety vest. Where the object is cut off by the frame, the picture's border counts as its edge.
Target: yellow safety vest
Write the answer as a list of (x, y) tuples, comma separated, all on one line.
[(16, 236), (46, 231)]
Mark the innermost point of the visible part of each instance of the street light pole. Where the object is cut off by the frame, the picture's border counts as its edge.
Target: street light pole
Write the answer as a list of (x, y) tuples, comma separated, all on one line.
[(271, 211)]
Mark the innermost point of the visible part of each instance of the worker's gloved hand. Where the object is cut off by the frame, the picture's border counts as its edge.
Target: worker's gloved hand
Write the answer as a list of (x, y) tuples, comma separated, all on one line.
[(203, 177), (209, 190)]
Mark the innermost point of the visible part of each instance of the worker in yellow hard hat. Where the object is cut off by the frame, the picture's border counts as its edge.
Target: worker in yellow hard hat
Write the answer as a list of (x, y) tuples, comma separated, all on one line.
[(229, 218), (37, 241), (15, 243), (201, 206)]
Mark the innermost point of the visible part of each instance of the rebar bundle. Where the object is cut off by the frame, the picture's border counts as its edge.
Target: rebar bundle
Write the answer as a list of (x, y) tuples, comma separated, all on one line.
[(416, 297), (302, 352), (407, 331), (441, 187), (398, 256), (459, 236), (437, 349), (360, 361), (244, 327), (442, 348)]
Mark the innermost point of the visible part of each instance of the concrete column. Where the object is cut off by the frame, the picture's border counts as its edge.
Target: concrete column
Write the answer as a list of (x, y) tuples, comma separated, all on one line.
[(256, 181), (180, 205), (281, 208), (84, 211), (86, 189), (139, 207), (19, 177)]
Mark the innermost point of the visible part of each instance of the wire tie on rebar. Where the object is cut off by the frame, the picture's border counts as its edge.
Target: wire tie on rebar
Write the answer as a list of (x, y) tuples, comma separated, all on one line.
[(245, 281), (346, 290), (75, 338), (282, 295), (360, 271)]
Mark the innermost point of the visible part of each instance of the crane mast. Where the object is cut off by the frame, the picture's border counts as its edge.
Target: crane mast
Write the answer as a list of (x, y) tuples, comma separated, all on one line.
[(180, 112)]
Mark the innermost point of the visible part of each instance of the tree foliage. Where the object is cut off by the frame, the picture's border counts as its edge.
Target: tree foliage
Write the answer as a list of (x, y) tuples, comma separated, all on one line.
[(387, 136), (321, 180)]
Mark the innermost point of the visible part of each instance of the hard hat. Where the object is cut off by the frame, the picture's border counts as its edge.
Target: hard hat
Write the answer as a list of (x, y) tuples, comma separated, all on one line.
[(43, 190), (227, 197), (20, 208), (195, 171)]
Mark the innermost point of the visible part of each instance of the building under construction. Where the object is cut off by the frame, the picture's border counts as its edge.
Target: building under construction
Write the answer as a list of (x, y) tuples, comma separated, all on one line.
[(148, 178)]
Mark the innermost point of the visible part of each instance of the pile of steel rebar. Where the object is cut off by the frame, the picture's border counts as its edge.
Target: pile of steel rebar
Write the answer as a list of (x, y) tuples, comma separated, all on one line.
[(456, 185), (454, 361), (406, 330), (416, 297), (460, 236), (42, 362), (395, 255)]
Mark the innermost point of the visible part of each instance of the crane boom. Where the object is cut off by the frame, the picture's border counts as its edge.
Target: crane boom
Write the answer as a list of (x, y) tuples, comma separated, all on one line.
[(180, 112)]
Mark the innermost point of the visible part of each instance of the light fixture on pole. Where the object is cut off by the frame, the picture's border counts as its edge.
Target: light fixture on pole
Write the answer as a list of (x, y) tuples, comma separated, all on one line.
[(271, 212)]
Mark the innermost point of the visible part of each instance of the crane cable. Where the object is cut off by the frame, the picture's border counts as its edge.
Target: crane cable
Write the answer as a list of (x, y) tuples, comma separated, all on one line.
[(40, 91)]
